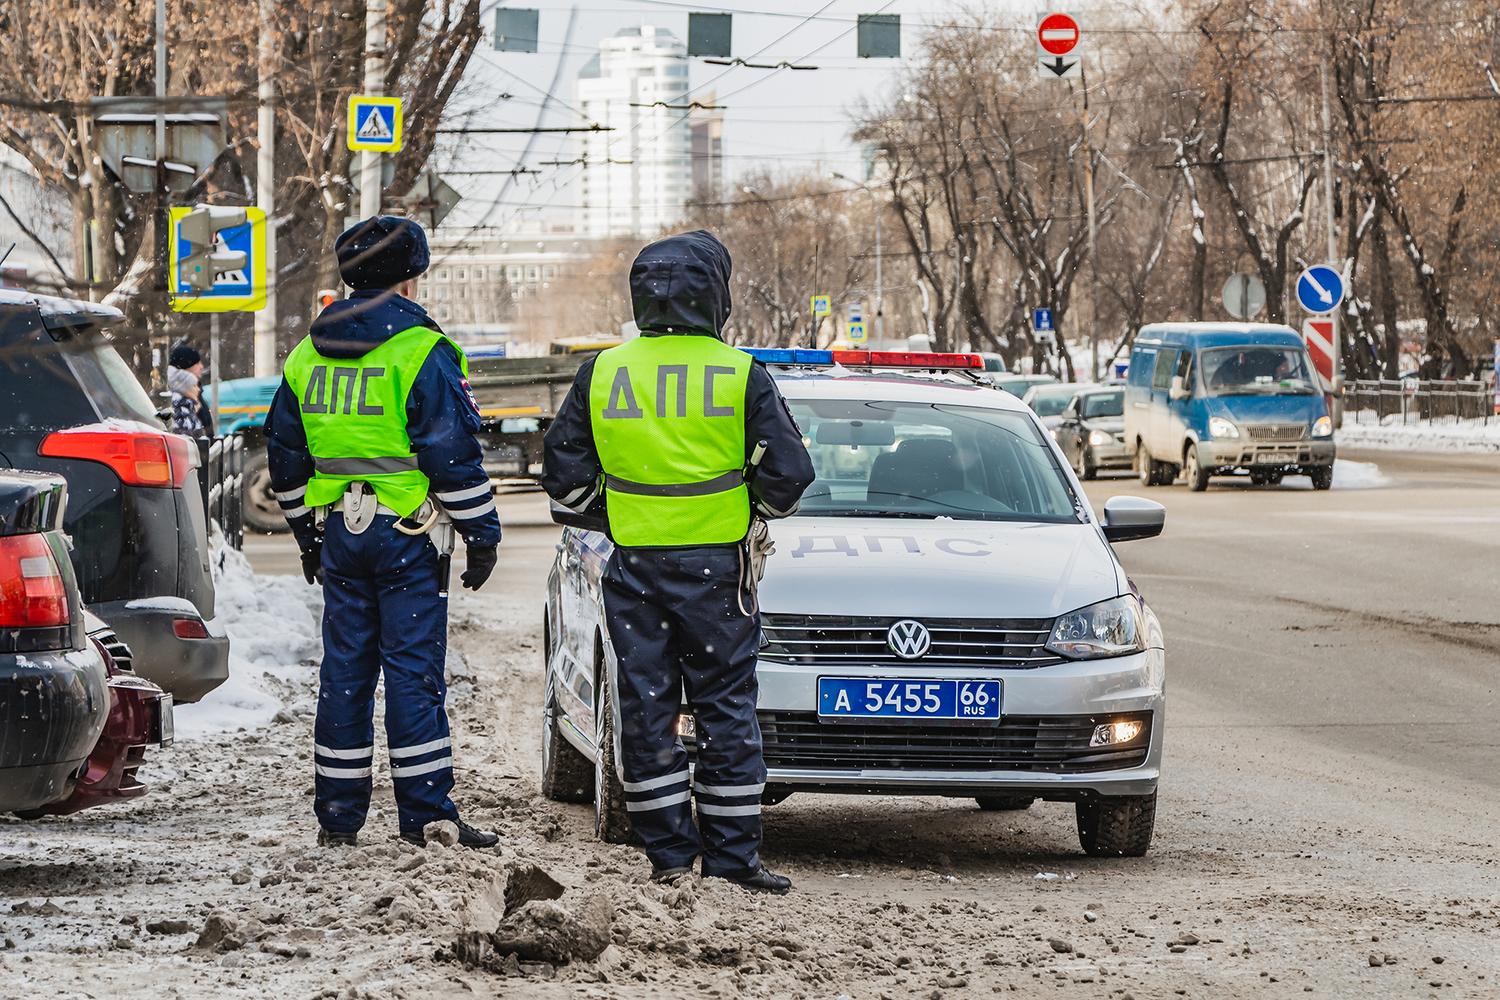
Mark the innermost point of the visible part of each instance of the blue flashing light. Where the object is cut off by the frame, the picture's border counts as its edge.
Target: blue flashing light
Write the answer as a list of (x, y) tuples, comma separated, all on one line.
[(789, 355)]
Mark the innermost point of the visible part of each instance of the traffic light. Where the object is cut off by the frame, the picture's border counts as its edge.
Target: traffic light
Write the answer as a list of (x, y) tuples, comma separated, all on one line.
[(199, 228)]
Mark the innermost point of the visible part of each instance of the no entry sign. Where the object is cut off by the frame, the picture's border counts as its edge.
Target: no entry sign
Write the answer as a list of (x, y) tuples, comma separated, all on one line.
[(1057, 34)]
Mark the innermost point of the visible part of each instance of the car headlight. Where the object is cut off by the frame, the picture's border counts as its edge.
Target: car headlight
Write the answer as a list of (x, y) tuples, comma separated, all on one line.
[(1109, 628), (1099, 438), (1323, 427), (1220, 428)]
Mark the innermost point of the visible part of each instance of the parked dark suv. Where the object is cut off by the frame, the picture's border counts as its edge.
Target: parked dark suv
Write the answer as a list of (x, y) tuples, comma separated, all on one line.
[(70, 405)]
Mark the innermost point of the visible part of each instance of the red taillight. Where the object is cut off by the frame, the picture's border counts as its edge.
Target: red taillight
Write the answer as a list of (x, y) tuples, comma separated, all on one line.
[(139, 458), (32, 594), (908, 359), (189, 628)]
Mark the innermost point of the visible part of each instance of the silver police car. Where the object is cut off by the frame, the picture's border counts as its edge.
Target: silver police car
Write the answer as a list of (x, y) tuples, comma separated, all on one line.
[(943, 616)]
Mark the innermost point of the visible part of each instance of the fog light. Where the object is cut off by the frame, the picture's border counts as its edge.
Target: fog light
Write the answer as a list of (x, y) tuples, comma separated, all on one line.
[(687, 727), (1112, 733)]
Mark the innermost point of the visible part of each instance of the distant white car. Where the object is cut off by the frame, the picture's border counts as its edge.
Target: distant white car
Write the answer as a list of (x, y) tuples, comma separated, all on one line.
[(944, 616), (1049, 399)]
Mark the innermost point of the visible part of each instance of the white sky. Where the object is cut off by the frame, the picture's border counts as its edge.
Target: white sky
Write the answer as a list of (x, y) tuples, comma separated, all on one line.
[(785, 121)]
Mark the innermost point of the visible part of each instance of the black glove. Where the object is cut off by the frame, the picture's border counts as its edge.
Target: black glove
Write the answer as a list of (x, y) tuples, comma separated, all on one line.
[(481, 564), (312, 564)]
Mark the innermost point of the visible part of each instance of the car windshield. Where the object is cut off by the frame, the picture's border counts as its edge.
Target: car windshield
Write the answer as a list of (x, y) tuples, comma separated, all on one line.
[(883, 458), (1254, 370), (1050, 404), (1103, 404)]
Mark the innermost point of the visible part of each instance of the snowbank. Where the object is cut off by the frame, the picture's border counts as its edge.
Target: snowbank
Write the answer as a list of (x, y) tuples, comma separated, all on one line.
[(1347, 475), (1464, 435), (274, 641)]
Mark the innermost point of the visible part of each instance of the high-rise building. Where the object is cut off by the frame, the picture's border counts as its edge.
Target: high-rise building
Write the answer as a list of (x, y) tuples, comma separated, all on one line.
[(708, 151), (637, 178)]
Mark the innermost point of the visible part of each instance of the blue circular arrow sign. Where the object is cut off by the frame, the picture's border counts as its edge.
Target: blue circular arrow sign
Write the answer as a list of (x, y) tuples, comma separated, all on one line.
[(1320, 289)]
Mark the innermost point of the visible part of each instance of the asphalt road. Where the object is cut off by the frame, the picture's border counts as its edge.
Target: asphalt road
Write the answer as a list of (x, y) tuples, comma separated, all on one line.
[(1329, 797)]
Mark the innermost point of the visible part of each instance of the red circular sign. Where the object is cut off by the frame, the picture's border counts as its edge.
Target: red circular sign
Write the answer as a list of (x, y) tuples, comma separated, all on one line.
[(1057, 34)]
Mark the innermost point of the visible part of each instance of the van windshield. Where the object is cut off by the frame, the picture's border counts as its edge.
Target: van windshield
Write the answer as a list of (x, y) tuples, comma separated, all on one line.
[(1256, 370)]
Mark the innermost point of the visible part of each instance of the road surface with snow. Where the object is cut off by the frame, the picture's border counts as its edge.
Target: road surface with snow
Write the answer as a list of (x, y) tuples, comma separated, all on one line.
[(1326, 823)]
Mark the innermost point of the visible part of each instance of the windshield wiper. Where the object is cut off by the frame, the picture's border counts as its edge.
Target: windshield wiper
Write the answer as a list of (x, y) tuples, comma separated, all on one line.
[(871, 512)]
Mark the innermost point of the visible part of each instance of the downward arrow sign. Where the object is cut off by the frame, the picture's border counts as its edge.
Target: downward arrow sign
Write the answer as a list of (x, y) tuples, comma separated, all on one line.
[(1059, 67)]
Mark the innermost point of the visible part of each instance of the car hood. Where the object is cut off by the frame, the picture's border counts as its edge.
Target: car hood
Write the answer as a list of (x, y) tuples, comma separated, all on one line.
[(941, 569), (1268, 409), (1111, 424)]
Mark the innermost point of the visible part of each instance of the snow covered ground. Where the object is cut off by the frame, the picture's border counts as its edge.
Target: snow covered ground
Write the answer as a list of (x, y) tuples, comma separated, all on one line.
[(1465, 435)]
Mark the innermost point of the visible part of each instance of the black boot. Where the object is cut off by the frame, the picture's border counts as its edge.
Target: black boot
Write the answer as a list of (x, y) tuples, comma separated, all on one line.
[(669, 874), (762, 879), (467, 836), (332, 838)]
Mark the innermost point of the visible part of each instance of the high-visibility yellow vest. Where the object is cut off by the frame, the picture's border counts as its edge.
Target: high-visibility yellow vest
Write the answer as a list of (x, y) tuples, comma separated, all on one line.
[(668, 416), (354, 413)]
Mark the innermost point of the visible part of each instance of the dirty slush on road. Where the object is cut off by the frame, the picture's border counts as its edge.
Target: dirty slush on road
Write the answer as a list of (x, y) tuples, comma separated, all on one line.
[(212, 885)]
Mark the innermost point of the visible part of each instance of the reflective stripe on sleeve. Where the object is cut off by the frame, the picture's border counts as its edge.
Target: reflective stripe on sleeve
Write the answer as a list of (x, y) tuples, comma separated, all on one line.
[(291, 512), (581, 503), (365, 466), (454, 496), (401, 753), (469, 513), (412, 770), (661, 802), (296, 494), (709, 809), (650, 783)]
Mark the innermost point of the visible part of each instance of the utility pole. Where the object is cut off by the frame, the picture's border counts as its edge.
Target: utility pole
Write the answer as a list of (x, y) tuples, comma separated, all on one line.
[(369, 164), (265, 192), (879, 279), (1333, 249), (159, 350), (1088, 175)]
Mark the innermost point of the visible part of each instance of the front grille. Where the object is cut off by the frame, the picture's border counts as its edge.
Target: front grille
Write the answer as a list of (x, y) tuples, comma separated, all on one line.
[(1057, 744), (117, 650), (1276, 432), (844, 640)]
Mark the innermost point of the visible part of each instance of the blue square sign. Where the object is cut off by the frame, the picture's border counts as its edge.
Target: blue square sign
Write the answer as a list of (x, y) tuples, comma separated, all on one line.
[(1041, 320)]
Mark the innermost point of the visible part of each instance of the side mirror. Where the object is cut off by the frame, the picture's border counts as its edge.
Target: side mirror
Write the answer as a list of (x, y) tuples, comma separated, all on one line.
[(1128, 518), (588, 522), (1179, 391)]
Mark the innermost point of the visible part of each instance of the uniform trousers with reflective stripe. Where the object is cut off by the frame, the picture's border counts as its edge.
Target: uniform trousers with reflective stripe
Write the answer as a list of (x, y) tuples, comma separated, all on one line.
[(676, 627), (382, 610)]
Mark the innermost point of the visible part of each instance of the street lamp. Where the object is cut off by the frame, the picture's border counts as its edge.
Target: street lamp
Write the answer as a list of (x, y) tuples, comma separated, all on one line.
[(879, 259)]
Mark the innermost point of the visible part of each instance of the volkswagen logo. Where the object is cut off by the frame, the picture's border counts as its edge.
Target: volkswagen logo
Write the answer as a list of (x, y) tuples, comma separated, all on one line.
[(909, 639)]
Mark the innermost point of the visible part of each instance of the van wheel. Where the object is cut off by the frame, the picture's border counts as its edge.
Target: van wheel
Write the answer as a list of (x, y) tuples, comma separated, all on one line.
[(1146, 467), (611, 820), (1322, 477), (1087, 468), (1197, 476), (1004, 803), (260, 509), (567, 775), (1117, 826)]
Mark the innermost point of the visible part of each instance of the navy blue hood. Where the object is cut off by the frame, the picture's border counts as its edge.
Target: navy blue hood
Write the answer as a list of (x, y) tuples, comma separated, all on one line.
[(681, 285), (353, 327)]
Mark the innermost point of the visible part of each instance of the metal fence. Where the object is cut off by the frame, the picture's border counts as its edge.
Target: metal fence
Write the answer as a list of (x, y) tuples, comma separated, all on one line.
[(1416, 400), (223, 484)]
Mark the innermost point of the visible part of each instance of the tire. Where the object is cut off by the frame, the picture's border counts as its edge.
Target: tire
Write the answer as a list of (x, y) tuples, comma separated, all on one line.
[(1259, 478), (1117, 826), (611, 819), (1197, 476), (1087, 467), (1274, 478), (567, 775), (1146, 466), (1004, 803), (1321, 476), (260, 510)]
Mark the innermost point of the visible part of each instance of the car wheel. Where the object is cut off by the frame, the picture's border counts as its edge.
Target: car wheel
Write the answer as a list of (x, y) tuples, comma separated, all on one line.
[(1088, 469), (1004, 803), (1197, 475), (260, 510), (611, 820), (567, 775), (1117, 826), (1322, 477)]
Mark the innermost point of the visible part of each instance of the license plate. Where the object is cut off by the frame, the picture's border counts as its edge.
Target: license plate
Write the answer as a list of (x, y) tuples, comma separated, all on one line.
[(164, 720), (1277, 457), (883, 698)]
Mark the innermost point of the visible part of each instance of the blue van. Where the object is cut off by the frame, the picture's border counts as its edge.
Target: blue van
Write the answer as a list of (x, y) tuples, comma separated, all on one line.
[(1212, 398)]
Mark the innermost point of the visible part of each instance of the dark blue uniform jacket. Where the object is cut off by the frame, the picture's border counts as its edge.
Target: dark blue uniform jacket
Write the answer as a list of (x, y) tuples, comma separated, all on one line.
[(441, 418)]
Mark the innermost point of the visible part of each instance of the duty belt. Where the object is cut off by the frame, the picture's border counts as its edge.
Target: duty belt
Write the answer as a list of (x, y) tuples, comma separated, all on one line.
[(702, 488)]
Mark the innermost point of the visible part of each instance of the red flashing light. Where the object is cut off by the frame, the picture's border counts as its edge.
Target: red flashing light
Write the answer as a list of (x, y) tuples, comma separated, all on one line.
[(32, 594), (139, 458), (908, 359)]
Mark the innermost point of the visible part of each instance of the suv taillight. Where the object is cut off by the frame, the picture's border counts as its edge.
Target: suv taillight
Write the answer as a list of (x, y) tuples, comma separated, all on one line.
[(139, 458), (32, 594)]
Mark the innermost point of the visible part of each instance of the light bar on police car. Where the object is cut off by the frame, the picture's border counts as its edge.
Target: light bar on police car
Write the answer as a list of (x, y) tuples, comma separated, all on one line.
[(863, 359)]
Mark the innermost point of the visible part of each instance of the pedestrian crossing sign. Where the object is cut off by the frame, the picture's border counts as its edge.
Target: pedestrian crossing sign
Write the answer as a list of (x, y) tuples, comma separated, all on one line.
[(375, 123), (856, 330)]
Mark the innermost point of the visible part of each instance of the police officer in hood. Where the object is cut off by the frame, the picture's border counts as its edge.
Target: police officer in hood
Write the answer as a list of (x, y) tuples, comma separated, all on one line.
[(374, 461), (676, 438)]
